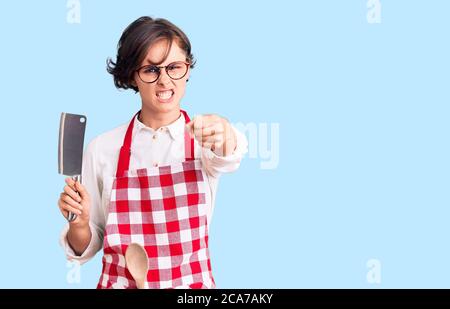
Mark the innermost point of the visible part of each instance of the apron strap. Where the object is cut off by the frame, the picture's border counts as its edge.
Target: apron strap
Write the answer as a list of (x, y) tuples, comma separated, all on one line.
[(188, 141), (125, 151)]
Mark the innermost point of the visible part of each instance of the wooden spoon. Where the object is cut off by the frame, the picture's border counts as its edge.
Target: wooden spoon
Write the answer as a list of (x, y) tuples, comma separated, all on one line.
[(136, 260)]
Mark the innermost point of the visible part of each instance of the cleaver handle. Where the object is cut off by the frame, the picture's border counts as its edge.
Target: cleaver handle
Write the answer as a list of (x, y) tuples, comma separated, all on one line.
[(71, 216)]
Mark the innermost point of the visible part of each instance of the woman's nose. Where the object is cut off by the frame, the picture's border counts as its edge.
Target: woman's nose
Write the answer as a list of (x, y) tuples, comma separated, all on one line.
[(164, 79)]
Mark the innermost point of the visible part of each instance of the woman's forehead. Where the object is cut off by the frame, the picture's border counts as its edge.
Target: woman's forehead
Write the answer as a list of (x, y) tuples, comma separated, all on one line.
[(157, 52)]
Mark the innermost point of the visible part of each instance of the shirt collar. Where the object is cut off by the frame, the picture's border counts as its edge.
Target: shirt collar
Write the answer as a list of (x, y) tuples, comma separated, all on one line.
[(176, 128)]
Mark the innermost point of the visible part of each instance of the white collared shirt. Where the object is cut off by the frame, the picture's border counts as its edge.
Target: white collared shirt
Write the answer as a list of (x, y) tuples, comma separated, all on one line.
[(149, 148)]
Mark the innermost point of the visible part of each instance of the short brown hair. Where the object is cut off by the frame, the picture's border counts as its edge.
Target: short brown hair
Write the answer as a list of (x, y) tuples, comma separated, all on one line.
[(134, 43)]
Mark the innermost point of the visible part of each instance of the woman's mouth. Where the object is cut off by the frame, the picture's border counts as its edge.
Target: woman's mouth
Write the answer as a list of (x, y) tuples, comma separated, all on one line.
[(165, 96)]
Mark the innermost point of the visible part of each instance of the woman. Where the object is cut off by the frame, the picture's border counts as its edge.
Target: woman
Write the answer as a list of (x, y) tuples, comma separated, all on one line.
[(152, 181)]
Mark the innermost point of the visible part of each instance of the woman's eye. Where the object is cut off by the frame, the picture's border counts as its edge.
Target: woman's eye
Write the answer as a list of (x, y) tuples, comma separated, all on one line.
[(151, 70), (174, 67)]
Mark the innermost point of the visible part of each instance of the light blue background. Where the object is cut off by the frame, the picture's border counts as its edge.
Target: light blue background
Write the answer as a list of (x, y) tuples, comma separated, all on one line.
[(363, 112)]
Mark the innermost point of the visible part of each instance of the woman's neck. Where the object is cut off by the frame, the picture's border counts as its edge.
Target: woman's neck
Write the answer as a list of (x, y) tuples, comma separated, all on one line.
[(158, 120)]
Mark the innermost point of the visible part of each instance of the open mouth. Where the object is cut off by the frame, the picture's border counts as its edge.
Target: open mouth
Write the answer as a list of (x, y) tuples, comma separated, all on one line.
[(165, 95)]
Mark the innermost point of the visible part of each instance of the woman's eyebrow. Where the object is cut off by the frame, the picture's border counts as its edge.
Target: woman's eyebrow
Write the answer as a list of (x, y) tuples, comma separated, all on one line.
[(149, 62)]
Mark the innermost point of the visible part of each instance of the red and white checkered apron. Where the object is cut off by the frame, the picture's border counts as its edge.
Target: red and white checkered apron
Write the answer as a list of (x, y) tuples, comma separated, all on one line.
[(164, 210)]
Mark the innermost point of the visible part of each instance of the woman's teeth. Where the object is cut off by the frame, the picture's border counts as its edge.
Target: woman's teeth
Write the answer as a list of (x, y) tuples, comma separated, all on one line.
[(165, 94)]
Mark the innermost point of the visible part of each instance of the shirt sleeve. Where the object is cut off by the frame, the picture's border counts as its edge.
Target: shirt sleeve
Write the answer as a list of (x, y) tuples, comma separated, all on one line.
[(92, 181), (216, 165)]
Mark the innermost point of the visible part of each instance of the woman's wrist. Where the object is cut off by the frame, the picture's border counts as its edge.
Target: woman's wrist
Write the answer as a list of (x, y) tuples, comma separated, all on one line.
[(79, 225), (79, 237)]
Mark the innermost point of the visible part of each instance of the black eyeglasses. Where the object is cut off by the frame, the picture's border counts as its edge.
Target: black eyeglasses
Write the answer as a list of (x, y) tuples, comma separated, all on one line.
[(175, 70)]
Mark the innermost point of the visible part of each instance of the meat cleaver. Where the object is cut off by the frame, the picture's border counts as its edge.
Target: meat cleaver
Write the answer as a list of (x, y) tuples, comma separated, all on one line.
[(70, 148)]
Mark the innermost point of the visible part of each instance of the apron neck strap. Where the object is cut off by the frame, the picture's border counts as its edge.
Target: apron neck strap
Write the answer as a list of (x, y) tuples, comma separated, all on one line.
[(125, 151)]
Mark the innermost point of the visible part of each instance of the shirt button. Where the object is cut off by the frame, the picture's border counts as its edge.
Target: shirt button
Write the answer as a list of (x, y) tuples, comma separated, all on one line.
[(154, 137), (155, 164)]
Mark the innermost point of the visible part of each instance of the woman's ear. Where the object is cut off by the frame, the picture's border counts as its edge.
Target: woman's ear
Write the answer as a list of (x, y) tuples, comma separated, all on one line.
[(133, 82)]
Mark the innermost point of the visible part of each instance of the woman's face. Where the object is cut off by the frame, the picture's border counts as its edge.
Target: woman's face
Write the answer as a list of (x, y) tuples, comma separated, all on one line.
[(163, 95)]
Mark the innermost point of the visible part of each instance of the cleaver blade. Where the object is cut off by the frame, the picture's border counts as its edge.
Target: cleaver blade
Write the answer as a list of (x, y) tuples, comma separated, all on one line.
[(70, 147)]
